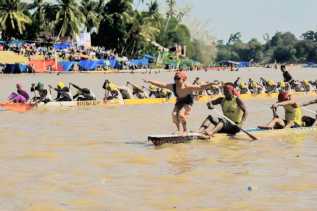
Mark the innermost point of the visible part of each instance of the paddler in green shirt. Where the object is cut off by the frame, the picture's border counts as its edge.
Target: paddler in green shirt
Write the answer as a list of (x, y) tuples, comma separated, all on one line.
[(233, 108)]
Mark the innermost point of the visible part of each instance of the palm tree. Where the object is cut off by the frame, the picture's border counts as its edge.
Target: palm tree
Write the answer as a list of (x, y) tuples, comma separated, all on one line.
[(117, 18), (171, 11), (13, 18), (41, 18), (91, 10), (144, 29), (39, 11), (151, 21), (69, 19)]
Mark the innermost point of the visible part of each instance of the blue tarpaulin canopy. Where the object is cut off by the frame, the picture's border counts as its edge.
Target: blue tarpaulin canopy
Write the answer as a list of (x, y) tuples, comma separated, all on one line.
[(107, 63), (16, 68), (23, 68), (139, 62), (16, 43), (62, 46), (87, 65), (113, 63), (244, 64), (67, 65)]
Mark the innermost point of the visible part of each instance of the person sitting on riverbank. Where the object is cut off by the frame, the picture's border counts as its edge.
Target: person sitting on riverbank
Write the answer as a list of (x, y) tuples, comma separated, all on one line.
[(83, 94), (21, 96)]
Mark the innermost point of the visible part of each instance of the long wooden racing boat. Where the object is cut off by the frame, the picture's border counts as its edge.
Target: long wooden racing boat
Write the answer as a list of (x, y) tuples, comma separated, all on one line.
[(147, 101), (17, 107), (159, 140)]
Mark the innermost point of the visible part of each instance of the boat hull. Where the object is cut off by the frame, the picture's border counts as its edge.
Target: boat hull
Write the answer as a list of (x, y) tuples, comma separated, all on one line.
[(159, 140), (151, 101), (147, 101)]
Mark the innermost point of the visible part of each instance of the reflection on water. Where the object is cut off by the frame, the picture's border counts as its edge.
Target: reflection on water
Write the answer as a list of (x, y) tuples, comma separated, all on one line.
[(99, 159), (180, 160)]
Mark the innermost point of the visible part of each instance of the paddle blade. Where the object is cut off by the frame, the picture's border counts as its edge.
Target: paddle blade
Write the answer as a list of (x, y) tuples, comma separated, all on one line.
[(16, 107), (249, 134), (253, 137)]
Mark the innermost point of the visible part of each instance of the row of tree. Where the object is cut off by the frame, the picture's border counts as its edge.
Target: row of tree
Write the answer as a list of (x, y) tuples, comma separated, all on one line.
[(114, 24), (120, 25), (281, 48)]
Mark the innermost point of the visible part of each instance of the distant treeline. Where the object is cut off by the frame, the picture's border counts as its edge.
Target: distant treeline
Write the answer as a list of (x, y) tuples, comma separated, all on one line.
[(281, 48)]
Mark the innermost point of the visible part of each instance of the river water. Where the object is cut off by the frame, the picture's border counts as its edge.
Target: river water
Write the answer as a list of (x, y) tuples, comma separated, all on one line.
[(99, 159)]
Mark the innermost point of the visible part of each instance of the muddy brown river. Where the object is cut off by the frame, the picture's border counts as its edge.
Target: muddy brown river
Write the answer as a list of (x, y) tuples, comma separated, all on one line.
[(99, 159)]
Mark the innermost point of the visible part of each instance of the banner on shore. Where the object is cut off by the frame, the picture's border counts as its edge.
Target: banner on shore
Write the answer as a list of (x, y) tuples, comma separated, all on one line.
[(84, 40)]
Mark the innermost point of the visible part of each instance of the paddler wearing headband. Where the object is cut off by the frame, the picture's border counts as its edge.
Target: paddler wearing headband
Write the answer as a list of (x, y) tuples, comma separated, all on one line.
[(293, 113), (184, 97), (233, 108)]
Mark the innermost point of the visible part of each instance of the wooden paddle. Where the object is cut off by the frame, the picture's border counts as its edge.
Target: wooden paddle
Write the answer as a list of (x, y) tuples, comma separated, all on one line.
[(243, 130), (210, 107), (310, 111), (135, 86), (203, 125)]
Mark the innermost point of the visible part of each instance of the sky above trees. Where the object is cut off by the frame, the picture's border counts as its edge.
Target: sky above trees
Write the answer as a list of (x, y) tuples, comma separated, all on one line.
[(253, 18)]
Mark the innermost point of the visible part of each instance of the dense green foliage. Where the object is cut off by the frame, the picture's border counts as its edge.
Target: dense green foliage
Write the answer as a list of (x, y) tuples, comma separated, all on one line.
[(114, 24), (14, 17), (121, 26), (281, 48)]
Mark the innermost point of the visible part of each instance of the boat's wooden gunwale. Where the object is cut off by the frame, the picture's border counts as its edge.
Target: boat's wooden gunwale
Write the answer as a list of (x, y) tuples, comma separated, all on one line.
[(151, 101), (159, 140)]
